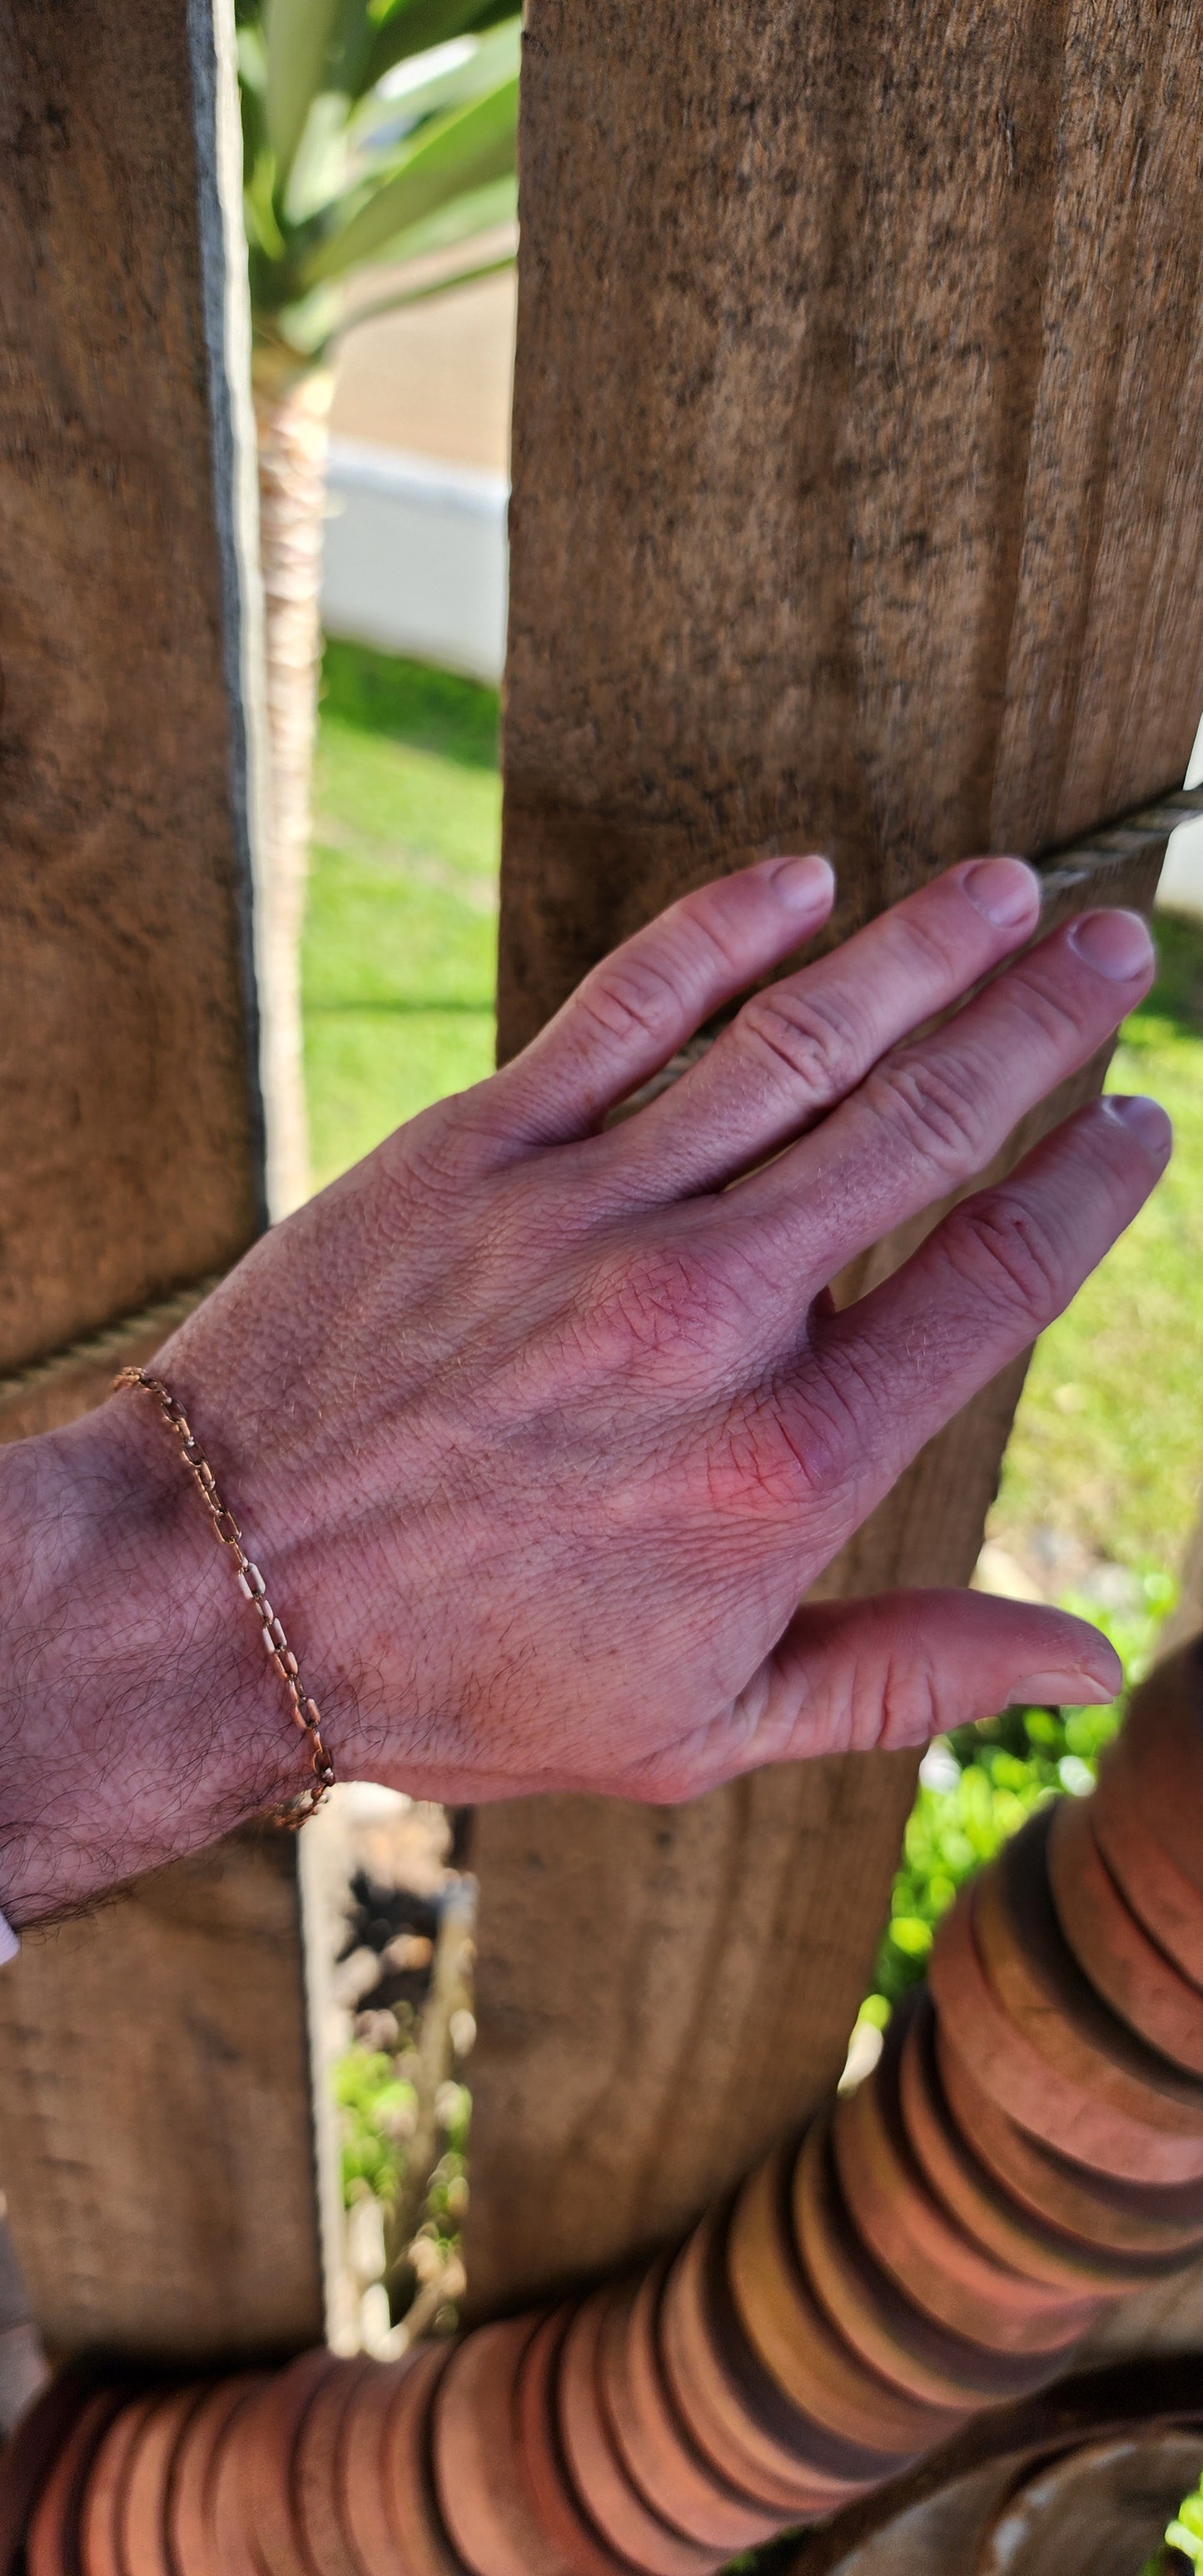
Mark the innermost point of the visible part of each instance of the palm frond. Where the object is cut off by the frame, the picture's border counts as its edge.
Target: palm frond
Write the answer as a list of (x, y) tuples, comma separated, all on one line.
[(451, 155), (463, 218), (445, 284), (414, 26), (344, 164), (429, 83), (297, 40)]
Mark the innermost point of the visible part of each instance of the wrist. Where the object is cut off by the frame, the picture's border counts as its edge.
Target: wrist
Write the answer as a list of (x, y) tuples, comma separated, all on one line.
[(139, 1718)]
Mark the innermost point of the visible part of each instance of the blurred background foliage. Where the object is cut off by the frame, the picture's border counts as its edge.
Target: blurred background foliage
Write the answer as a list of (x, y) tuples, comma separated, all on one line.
[(372, 130), (400, 952)]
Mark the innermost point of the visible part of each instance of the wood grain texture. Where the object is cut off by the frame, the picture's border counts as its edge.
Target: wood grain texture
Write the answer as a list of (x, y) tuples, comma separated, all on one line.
[(855, 503), (156, 2148), (156, 2137), (854, 507), (130, 1161)]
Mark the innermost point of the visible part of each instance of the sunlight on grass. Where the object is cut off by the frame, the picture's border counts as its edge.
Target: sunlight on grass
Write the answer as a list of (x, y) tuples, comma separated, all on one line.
[(400, 953), (1107, 1449)]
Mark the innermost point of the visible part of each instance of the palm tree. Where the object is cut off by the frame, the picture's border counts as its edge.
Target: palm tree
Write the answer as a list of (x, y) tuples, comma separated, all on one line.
[(373, 130)]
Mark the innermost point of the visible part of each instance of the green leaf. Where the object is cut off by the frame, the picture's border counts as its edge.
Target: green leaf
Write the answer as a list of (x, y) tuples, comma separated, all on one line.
[(299, 35), (488, 60), (479, 210), (319, 165), (413, 26), (448, 157), (306, 324), (252, 59), (443, 285)]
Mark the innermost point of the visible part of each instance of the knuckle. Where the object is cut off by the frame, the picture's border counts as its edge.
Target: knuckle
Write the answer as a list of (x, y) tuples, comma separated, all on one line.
[(667, 1296), (922, 936), (770, 1459), (906, 1702), (474, 1125), (708, 923), (669, 970), (806, 1035), (848, 1398), (936, 1107), (634, 995), (1010, 1255), (435, 1151), (1049, 1008)]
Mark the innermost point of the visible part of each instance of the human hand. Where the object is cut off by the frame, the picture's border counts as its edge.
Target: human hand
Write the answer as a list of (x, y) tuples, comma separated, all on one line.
[(544, 1432), (541, 1430)]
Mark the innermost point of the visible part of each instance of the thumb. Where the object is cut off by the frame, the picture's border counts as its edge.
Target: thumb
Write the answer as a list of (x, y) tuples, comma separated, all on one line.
[(874, 1675), (852, 1676)]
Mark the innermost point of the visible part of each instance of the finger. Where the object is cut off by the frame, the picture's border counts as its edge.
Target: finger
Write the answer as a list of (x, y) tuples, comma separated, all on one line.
[(803, 1044), (877, 1675), (882, 1376), (939, 1109), (640, 1005)]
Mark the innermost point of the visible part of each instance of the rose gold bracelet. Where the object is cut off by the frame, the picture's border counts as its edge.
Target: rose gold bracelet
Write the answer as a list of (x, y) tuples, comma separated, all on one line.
[(305, 1712)]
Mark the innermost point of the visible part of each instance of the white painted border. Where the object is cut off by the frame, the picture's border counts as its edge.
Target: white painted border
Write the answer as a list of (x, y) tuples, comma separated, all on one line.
[(416, 557), (216, 121), (1181, 886)]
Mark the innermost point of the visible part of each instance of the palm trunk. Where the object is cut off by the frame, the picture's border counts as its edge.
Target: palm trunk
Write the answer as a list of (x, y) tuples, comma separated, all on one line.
[(292, 419)]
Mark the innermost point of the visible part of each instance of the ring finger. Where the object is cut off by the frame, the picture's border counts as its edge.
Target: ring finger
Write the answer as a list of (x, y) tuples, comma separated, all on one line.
[(934, 1114)]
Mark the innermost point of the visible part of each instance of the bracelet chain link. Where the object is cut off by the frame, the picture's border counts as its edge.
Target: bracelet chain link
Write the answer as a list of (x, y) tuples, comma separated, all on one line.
[(305, 1712)]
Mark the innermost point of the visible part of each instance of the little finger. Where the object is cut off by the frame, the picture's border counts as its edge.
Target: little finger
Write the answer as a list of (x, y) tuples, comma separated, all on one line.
[(881, 1377)]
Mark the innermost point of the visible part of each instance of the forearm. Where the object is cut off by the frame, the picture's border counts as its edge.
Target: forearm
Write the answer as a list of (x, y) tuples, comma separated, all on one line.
[(138, 1715)]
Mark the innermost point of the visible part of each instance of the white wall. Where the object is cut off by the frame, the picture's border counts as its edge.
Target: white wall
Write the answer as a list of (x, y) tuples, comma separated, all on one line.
[(415, 557), (1181, 887)]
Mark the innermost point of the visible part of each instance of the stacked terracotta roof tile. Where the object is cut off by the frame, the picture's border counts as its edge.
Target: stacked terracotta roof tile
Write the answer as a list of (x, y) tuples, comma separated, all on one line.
[(1029, 2148)]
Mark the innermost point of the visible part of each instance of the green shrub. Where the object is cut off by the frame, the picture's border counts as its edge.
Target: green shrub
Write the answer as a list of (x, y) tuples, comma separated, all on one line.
[(377, 2110)]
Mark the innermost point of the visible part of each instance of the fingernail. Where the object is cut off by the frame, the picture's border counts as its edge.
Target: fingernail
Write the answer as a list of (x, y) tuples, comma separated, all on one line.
[(1116, 944), (1060, 1690), (1005, 890), (1144, 1119), (804, 885)]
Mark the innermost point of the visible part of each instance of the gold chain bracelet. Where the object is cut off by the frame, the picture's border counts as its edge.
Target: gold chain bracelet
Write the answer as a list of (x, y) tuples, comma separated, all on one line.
[(305, 1712)]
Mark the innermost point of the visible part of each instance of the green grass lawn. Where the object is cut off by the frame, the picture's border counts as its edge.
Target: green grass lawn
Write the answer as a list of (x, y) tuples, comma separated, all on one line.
[(1107, 1453), (400, 950)]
